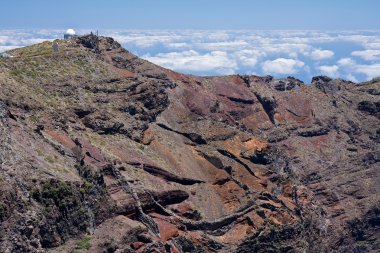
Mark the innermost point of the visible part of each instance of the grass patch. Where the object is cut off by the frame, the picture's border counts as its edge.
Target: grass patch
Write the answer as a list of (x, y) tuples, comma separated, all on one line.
[(84, 243), (62, 170), (39, 152), (33, 118), (51, 159)]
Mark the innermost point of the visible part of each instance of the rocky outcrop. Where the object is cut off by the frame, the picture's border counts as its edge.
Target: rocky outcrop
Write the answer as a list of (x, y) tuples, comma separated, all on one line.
[(373, 108)]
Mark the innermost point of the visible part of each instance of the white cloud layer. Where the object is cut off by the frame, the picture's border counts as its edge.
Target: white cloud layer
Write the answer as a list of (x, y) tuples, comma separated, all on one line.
[(191, 60), (282, 66), (319, 54), (371, 71), (331, 71), (369, 55), (346, 62), (351, 55), (352, 78)]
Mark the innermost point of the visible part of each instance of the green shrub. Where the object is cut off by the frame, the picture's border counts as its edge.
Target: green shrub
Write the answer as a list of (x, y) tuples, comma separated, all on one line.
[(86, 187), (58, 192)]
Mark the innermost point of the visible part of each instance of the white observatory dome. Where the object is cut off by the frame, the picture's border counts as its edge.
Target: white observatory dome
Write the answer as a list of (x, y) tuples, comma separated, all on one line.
[(70, 31)]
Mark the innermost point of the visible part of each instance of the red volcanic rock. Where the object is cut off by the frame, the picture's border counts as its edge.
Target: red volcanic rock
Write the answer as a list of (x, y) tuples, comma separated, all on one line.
[(167, 229), (137, 245)]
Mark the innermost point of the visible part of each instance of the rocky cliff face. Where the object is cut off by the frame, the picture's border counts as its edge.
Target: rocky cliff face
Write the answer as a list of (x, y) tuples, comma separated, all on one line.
[(104, 152)]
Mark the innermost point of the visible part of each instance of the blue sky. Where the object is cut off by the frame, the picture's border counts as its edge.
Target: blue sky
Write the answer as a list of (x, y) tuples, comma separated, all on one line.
[(338, 38), (191, 14)]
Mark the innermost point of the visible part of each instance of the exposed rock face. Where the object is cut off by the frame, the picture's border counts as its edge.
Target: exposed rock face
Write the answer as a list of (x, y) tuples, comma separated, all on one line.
[(104, 152)]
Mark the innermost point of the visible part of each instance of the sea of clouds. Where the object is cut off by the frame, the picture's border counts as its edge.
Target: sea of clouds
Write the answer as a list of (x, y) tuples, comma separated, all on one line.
[(351, 55)]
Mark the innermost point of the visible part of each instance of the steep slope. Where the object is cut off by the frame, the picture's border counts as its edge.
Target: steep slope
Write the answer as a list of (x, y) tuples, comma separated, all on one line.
[(102, 151)]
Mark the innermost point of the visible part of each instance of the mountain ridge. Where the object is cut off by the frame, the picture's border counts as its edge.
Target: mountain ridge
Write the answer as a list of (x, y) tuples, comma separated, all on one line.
[(98, 141)]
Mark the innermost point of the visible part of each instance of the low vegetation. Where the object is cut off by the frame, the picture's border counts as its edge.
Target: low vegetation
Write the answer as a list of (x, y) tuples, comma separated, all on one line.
[(84, 243)]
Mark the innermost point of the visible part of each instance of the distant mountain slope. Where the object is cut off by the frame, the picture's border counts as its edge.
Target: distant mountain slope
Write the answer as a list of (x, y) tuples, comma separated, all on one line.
[(102, 151)]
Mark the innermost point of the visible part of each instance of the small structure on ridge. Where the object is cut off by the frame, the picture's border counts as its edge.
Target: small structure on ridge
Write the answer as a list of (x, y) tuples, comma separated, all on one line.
[(70, 33), (5, 55)]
